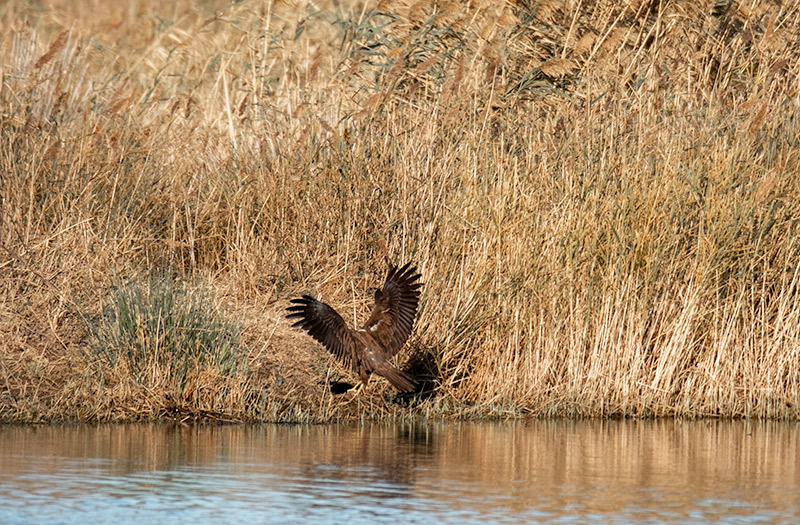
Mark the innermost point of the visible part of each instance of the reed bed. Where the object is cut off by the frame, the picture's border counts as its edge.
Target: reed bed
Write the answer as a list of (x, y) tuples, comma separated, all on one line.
[(603, 200)]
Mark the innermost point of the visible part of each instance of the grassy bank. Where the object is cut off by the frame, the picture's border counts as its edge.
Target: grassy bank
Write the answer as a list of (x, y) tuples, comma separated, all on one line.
[(603, 200)]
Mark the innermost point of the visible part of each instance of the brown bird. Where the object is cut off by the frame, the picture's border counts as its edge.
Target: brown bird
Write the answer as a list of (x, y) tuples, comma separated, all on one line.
[(368, 350)]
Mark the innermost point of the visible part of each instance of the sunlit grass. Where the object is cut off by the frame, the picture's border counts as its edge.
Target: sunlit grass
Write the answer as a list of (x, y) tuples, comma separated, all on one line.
[(163, 332), (603, 201)]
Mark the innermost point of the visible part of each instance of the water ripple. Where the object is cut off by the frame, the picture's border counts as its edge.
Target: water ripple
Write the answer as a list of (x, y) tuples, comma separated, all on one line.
[(461, 474)]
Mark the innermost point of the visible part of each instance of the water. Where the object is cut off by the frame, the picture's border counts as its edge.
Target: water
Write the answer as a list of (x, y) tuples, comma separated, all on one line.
[(544, 471)]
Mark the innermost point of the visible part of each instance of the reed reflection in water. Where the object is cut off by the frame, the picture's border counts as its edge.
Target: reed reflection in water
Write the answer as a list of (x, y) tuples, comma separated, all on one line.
[(540, 471)]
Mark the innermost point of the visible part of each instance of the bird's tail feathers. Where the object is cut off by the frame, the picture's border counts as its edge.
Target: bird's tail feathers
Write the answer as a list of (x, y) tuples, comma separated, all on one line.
[(401, 381)]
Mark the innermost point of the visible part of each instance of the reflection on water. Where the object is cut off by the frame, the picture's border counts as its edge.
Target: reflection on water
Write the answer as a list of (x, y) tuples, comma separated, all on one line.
[(539, 471)]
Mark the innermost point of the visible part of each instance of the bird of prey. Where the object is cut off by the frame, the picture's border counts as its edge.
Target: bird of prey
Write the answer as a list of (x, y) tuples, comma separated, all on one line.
[(368, 350)]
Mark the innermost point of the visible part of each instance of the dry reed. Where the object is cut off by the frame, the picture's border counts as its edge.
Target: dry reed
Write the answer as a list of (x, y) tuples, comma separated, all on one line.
[(603, 200)]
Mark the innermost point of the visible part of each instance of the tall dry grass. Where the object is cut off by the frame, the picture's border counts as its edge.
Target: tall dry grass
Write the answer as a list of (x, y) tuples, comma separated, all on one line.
[(603, 200)]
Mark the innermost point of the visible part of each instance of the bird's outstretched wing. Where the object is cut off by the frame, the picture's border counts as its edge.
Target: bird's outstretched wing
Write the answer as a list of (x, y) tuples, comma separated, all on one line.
[(392, 317), (326, 326)]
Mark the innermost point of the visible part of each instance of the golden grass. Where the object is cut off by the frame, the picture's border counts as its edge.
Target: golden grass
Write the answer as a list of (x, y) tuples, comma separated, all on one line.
[(603, 200)]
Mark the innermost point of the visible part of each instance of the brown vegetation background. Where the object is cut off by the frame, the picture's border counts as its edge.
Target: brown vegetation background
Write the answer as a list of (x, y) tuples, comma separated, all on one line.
[(603, 199)]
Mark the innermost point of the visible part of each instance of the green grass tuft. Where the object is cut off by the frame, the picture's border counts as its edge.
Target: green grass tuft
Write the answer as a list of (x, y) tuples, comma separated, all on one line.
[(165, 332)]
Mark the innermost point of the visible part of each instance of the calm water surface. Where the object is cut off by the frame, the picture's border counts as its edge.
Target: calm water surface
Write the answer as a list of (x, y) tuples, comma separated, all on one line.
[(550, 471)]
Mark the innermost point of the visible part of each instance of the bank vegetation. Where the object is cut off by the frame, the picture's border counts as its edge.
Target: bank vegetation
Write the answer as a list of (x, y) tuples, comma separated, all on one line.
[(603, 199)]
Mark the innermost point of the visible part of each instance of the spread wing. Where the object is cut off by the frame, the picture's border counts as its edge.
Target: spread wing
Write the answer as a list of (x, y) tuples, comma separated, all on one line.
[(326, 326), (396, 304)]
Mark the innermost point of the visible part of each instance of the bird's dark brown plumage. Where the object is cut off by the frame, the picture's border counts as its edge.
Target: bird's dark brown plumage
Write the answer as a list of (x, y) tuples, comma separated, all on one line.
[(369, 349)]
